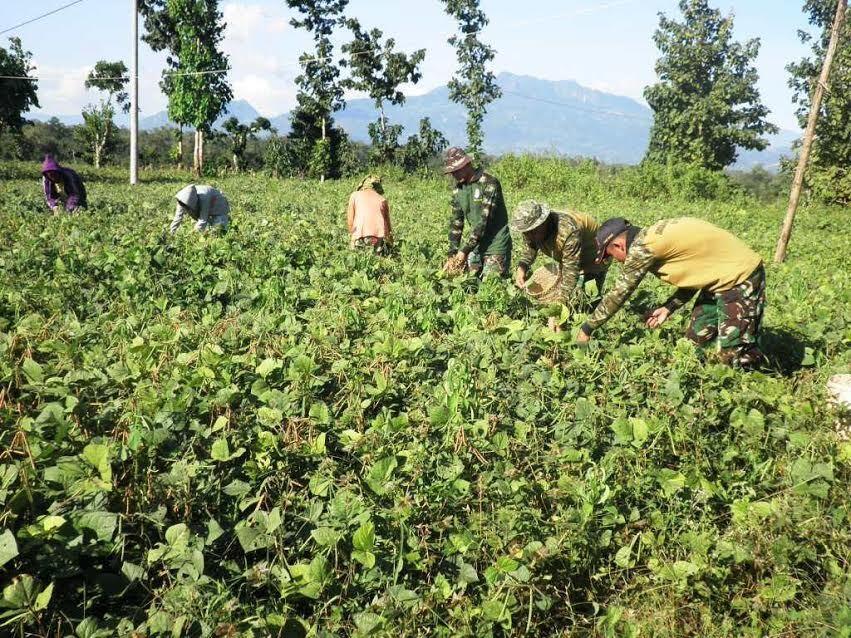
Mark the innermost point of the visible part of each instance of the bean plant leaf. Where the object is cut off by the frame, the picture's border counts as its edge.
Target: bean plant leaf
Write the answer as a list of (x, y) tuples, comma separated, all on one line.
[(97, 455), (380, 473), (33, 371), (8, 547), (220, 451)]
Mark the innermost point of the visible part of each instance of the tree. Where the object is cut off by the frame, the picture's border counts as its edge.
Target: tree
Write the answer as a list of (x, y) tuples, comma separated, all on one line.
[(828, 174), (110, 78), (240, 134), (421, 148), (16, 96), (196, 78), (320, 90), (473, 85), (161, 35), (706, 103), (378, 70), (98, 131)]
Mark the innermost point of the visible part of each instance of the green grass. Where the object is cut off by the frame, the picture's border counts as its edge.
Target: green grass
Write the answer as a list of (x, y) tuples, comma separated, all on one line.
[(268, 434)]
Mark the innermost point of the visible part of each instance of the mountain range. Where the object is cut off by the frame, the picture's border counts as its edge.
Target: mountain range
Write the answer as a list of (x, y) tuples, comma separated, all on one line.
[(533, 115)]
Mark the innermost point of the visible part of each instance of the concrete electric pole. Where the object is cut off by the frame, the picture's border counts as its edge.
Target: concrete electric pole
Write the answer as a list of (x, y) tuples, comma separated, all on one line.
[(134, 98)]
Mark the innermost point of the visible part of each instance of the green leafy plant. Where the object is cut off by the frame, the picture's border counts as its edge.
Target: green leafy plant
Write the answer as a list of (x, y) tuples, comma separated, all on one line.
[(265, 433)]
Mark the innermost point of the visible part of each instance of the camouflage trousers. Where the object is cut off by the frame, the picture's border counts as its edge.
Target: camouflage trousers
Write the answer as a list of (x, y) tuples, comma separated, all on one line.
[(732, 320), (489, 265), (376, 244)]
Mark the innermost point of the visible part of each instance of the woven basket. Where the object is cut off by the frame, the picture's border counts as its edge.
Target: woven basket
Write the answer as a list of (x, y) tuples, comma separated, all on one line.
[(544, 284)]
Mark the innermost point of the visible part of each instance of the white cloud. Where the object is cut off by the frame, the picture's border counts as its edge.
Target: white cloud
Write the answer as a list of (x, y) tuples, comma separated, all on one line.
[(253, 43), (247, 21), (269, 98), (62, 90)]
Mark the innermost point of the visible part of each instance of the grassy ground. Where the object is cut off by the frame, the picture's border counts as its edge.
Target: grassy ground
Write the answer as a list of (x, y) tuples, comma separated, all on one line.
[(266, 433)]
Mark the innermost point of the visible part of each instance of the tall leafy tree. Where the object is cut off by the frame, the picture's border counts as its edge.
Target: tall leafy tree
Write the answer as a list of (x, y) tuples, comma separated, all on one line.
[(111, 78), (161, 35), (706, 103), (239, 135), (422, 147), (98, 132), (195, 80), (378, 70), (473, 85), (829, 169), (320, 89), (16, 96)]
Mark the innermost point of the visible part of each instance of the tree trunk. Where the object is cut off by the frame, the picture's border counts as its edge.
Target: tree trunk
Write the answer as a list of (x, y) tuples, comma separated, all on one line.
[(383, 120), (809, 134), (235, 163), (322, 176), (196, 154), (180, 149), (200, 153), (385, 152)]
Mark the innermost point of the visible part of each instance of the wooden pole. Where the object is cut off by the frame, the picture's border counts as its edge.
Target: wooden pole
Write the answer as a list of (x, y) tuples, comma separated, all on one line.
[(134, 99), (809, 134)]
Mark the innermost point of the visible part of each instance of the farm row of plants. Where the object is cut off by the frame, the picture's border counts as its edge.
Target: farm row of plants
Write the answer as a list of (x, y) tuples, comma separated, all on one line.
[(268, 434)]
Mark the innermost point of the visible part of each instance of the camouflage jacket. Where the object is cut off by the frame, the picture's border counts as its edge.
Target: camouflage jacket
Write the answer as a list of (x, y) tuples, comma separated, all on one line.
[(574, 250), (639, 261), (480, 203)]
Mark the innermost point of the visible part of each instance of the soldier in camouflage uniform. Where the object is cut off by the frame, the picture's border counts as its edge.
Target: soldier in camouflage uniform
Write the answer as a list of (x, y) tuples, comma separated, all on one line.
[(569, 238), (477, 199), (698, 258)]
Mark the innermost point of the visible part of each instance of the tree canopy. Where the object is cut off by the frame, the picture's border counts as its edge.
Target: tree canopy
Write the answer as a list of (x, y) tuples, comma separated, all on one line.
[(706, 103), (16, 96), (473, 85)]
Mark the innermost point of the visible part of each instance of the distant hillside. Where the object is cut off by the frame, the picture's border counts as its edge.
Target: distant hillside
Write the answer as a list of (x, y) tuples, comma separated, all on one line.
[(243, 111), (780, 147), (533, 115)]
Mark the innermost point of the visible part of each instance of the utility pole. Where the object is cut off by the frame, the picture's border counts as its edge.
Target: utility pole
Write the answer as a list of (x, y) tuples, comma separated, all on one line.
[(809, 134), (134, 99)]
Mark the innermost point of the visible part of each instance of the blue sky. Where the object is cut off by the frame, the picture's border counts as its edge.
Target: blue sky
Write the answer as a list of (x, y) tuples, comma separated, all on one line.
[(603, 44)]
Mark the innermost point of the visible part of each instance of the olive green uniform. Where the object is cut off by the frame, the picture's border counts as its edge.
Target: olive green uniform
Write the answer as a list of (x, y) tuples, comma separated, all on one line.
[(480, 203), (572, 245)]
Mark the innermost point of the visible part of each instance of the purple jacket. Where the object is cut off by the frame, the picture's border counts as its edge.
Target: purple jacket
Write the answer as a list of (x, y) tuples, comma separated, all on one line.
[(72, 186)]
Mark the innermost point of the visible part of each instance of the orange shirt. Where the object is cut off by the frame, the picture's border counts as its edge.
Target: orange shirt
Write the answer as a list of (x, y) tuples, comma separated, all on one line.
[(368, 214)]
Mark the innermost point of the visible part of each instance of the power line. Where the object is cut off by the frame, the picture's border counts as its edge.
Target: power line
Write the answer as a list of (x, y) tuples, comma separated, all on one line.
[(309, 59), (43, 15), (211, 72), (120, 77), (579, 12)]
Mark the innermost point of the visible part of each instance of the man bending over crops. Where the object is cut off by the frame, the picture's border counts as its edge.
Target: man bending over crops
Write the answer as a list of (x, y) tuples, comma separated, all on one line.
[(569, 238), (63, 187), (205, 204), (698, 258), (368, 217), (477, 198)]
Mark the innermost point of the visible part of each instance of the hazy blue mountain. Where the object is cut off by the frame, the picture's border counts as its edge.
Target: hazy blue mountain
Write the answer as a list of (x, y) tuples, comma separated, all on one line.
[(781, 146), (243, 111), (541, 116), (532, 115)]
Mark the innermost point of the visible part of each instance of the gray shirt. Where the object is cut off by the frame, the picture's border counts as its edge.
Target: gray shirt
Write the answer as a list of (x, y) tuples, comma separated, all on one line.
[(206, 205)]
